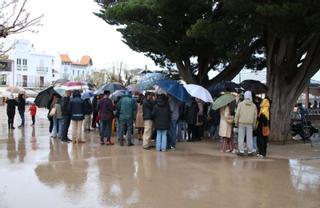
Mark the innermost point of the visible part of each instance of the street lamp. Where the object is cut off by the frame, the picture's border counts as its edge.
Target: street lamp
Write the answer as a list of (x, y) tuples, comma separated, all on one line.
[(3, 31)]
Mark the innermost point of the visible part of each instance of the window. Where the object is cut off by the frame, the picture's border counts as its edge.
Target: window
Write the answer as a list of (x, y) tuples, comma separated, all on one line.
[(24, 62), (3, 79), (18, 64)]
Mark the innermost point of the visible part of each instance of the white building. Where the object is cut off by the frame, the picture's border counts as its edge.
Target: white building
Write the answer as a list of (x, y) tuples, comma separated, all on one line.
[(29, 69), (74, 70)]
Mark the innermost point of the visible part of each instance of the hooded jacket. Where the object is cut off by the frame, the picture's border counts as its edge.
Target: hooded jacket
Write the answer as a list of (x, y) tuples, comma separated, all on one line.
[(246, 113), (77, 107), (127, 108), (162, 114)]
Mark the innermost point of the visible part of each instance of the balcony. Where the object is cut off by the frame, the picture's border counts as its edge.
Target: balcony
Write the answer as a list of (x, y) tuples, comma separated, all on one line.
[(42, 70), (33, 85)]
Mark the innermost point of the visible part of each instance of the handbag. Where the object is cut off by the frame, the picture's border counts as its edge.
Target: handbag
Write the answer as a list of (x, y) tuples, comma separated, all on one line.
[(265, 131), (52, 112)]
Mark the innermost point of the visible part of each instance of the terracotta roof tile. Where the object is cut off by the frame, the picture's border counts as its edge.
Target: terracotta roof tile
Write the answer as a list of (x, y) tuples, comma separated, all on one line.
[(65, 58)]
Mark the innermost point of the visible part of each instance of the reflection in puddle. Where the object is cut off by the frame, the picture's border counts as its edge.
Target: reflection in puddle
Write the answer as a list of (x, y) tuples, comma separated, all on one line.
[(304, 177)]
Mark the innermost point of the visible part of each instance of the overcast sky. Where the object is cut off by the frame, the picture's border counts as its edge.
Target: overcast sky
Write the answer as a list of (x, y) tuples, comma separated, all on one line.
[(69, 26)]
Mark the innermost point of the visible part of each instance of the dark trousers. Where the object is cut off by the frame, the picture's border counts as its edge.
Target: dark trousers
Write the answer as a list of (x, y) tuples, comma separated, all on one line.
[(192, 132), (65, 127), (21, 112), (51, 124), (105, 130), (10, 119), (33, 119), (94, 120), (262, 143)]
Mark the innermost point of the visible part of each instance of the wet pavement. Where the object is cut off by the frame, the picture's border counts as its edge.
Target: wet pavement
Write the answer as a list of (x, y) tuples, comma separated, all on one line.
[(36, 171)]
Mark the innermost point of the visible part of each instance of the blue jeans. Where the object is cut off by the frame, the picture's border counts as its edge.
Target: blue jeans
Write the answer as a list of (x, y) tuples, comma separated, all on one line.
[(57, 127), (173, 133), (21, 112), (254, 143), (129, 124), (118, 130), (214, 131), (161, 140), (105, 129)]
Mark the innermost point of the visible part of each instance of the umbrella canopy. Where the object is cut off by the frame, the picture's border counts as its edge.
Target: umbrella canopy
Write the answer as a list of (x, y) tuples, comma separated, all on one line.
[(254, 86), (149, 80), (222, 87), (199, 92), (87, 95), (75, 85), (58, 89), (118, 93), (112, 87), (43, 98), (60, 81), (30, 100), (16, 89), (174, 89), (223, 100)]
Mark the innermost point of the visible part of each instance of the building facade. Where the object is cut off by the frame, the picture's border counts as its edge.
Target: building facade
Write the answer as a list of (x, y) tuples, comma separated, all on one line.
[(26, 67), (75, 70)]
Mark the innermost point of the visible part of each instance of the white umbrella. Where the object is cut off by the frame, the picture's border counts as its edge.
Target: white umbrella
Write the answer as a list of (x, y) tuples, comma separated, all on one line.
[(16, 89), (199, 92)]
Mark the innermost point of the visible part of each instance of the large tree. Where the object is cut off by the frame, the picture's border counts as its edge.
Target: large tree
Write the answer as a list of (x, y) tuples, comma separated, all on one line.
[(291, 33), (176, 32)]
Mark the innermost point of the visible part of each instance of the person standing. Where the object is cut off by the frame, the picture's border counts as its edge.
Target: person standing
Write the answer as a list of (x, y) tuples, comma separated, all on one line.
[(33, 112), (66, 116), (213, 122), (263, 122), (105, 109), (57, 120), (95, 111), (87, 116), (77, 115), (191, 119), (51, 106), (162, 117), (175, 114), (139, 117), (225, 130), (245, 119), (11, 111), (22, 108), (147, 119), (127, 109)]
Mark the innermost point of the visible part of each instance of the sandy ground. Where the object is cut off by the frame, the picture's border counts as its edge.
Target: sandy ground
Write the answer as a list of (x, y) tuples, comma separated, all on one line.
[(36, 171)]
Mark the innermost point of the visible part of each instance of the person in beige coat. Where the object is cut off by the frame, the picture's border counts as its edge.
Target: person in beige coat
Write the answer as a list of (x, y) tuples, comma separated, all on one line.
[(225, 129), (245, 119)]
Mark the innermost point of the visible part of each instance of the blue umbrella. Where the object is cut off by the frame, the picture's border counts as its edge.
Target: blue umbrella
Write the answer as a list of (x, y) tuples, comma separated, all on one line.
[(149, 80), (222, 87), (175, 89), (112, 87), (87, 95)]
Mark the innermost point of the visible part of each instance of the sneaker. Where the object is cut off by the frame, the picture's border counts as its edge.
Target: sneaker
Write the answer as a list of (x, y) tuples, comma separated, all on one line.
[(147, 148), (228, 150), (69, 140), (110, 143), (102, 143), (121, 142), (234, 151), (250, 154), (240, 154), (260, 156), (130, 144), (64, 140)]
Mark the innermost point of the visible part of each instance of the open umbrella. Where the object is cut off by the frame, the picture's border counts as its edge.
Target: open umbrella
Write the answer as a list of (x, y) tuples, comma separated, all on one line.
[(43, 98), (16, 89), (254, 86), (148, 80), (222, 87), (199, 92), (112, 87), (87, 95), (223, 100), (175, 89), (75, 85), (118, 93)]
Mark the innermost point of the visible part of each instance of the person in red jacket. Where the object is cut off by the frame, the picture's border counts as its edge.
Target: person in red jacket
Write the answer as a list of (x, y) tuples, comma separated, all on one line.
[(33, 112)]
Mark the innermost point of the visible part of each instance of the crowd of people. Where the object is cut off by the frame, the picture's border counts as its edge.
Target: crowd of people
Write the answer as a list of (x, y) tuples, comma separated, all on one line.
[(160, 120)]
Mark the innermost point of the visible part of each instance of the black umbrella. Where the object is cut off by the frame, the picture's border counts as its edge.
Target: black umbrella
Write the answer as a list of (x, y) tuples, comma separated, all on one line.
[(254, 86), (43, 98), (223, 86)]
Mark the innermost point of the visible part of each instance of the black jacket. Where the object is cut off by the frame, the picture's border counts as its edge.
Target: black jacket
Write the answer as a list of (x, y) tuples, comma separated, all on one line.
[(11, 106), (191, 113), (77, 107), (214, 117), (162, 115), (21, 104), (88, 107), (147, 109), (65, 106)]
